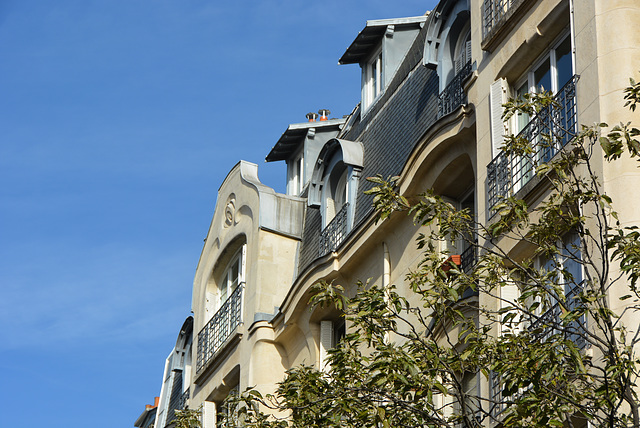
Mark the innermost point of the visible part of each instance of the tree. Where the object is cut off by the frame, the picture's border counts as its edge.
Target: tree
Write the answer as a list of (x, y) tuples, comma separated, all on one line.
[(187, 418), (544, 336)]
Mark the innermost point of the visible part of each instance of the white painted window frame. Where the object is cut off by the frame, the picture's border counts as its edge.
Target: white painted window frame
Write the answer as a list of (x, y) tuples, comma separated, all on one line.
[(373, 78), (295, 181), (227, 284)]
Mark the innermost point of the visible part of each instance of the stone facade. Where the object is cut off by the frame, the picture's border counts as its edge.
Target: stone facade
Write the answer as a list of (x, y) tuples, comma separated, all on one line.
[(434, 124)]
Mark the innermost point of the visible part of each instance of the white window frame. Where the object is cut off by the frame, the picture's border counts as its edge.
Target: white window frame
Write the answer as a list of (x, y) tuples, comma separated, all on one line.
[(330, 201), (228, 283), (528, 78), (295, 182), (373, 76), (519, 121)]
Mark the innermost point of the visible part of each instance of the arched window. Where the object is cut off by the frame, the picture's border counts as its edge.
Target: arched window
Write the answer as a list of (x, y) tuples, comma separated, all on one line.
[(333, 188), (231, 277)]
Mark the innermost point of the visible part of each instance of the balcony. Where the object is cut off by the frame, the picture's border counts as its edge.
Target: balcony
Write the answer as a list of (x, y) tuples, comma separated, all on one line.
[(219, 329), (550, 130), (496, 14), (547, 324), (183, 401), (335, 232), (453, 95)]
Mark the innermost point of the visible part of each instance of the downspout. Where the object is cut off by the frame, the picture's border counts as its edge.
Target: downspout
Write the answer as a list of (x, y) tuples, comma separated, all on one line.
[(386, 267), (572, 30), (386, 280)]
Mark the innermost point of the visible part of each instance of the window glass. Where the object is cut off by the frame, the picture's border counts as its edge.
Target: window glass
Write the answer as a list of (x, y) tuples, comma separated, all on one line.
[(571, 255), (230, 279), (563, 62), (542, 76), (522, 118)]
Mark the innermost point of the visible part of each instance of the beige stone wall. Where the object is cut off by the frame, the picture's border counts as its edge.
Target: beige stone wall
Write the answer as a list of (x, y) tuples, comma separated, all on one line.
[(451, 156), (269, 267)]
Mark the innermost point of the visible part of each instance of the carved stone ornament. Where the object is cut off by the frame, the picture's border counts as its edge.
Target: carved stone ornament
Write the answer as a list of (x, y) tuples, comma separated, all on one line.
[(229, 213)]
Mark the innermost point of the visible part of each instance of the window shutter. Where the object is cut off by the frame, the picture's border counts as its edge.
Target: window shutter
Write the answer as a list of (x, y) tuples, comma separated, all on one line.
[(468, 49), (326, 341), (497, 97), (243, 259), (447, 403), (458, 62), (443, 403), (509, 294), (208, 416)]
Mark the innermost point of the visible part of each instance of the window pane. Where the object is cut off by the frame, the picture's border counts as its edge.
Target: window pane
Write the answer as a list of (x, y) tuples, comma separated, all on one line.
[(523, 118), (223, 288), (563, 62), (374, 78), (542, 76), (571, 254), (233, 274)]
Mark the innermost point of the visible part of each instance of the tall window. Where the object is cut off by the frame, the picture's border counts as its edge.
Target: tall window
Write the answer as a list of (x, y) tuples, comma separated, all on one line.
[(336, 195), (296, 180), (231, 278), (550, 73), (373, 77)]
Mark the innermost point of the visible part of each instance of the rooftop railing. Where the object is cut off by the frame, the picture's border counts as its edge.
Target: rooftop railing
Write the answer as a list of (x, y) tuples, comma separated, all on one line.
[(215, 333), (335, 232), (453, 95), (550, 130)]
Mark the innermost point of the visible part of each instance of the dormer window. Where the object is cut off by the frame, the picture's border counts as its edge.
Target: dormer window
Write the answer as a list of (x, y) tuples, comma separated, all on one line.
[(333, 188), (299, 146), (334, 194), (379, 49)]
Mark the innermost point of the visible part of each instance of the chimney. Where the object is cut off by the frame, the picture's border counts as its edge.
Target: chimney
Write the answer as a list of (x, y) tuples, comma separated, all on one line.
[(323, 114), (312, 116)]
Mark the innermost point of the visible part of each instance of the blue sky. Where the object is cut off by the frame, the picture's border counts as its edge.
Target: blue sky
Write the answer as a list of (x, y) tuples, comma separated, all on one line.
[(119, 119)]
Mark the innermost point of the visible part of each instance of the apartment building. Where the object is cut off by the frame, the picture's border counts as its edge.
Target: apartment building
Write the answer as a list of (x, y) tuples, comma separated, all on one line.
[(433, 86)]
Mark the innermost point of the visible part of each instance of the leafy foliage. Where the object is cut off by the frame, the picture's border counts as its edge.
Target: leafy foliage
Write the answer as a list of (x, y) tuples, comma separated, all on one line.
[(187, 418), (526, 341)]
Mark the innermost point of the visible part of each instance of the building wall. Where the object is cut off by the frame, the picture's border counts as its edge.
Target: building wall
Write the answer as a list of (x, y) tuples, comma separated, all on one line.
[(402, 134)]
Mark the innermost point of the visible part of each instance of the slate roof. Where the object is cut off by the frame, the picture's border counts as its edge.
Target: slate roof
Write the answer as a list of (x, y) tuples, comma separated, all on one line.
[(389, 131)]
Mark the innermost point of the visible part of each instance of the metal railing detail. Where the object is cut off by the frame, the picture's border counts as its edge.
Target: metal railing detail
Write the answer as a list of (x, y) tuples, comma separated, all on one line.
[(335, 232), (468, 259), (219, 328), (496, 12), (453, 94), (546, 325), (542, 328), (184, 400), (550, 130)]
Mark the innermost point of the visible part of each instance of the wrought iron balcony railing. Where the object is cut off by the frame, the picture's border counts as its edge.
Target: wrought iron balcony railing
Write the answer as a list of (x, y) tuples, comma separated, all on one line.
[(542, 328), (453, 94), (550, 323), (184, 400), (219, 328), (550, 130), (496, 12), (468, 259), (335, 232)]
